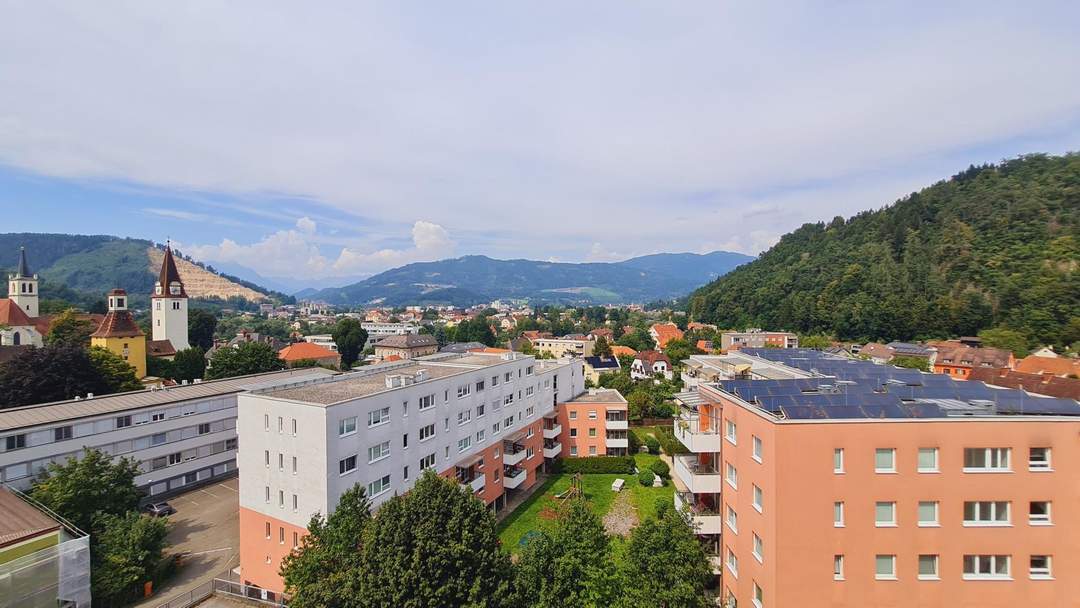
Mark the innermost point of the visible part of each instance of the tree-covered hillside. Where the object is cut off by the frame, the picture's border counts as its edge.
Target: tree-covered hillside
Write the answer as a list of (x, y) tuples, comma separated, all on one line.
[(994, 246)]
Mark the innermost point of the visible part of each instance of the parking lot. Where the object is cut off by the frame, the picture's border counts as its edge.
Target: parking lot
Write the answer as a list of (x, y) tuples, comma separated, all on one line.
[(206, 528)]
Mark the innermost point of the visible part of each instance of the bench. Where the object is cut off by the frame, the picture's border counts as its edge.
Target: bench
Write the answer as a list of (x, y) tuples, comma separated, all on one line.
[(616, 486)]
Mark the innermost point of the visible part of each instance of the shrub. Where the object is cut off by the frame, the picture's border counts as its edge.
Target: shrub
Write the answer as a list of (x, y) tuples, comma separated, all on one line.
[(661, 469), (653, 444), (599, 464), (646, 478), (633, 445), (672, 446)]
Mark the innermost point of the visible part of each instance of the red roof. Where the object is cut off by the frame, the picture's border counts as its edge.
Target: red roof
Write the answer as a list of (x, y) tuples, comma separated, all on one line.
[(652, 356), (705, 345), (117, 324), (300, 351), (160, 348), (11, 315), (1051, 386), (618, 350), (666, 332), (489, 350), (1057, 366), (169, 275)]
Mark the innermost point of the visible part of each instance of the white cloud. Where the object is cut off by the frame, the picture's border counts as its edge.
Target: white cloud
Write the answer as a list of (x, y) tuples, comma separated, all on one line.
[(430, 242), (306, 225), (598, 253)]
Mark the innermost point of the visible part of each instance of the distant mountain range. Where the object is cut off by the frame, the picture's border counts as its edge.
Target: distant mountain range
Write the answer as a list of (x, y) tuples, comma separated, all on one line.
[(475, 279)]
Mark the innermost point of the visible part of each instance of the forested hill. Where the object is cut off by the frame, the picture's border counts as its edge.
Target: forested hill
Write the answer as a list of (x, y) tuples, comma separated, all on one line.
[(994, 246)]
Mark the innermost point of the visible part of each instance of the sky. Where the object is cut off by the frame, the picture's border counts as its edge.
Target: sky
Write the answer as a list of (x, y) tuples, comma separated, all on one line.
[(329, 140)]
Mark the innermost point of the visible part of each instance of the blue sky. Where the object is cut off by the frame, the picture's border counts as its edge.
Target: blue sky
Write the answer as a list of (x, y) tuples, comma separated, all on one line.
[(342, 139)]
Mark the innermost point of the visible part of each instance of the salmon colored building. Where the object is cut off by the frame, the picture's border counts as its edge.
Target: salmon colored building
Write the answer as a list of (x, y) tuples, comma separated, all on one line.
[(595, 423), (827, 492)]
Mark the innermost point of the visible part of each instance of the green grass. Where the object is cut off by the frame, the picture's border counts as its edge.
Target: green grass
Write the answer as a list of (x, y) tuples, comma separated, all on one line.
[(597, 489)]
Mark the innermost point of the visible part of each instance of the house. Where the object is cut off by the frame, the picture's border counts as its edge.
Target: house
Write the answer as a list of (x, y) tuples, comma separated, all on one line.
[(323, 340), (595, 423), (407, 346), (594, 366), (461, 347), (756, 338), (662, 333), (885, 353), (957, 359), (1061, 367), (1040, 384), (648, 363), (705, 345), (618, 350), (602, 332), (293, 354), (565, 347), (694, 326)]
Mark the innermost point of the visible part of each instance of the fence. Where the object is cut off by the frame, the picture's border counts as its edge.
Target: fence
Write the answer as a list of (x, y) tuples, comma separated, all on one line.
[(233, 589), (191, 597), (651, 422)]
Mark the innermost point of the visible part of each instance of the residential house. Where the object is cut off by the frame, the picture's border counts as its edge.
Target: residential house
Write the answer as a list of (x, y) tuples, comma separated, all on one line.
[(602, 332), (1062, 367), (1040, 384), (595, 423), (407, 346), (298, 352), (594, 366), (956, 359), (565, 347), (662, 333), (756, 338), (649, 363)]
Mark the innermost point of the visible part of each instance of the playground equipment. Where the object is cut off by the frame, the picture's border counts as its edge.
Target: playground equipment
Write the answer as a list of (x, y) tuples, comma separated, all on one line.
[(573, 491)]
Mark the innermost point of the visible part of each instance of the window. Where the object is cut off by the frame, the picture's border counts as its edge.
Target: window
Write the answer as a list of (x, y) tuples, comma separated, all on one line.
[(732, 519), (378, 452), (928, 514), (529, 453), (573, 450), (758, 448), (529, 411), (885, 514), (294, 427), (528, 391), (464, 391), (479, 385), (495, 427), (1039, 568), (732, 562), (838, 514), (404, 441), (508, 399), (885, 567), (295, 502), (928, 567), (507, 377), (446, 424), (267, 530), (294, 465), (592, 414), (280, 424), (986, 567), (759, 499), (573, 414), (157, 439), (838, 460), (1039, 459), (838, 567), (266, 458), (529, 371), (159, 416), (62, 433), (204, 428), (731, 474), (123, 422), (15, 442), (759, 548), (281, 501), (347, 426), (295, 540), (509, 422), (379, 486), (480, 436), (986, 513), (379, 416), (464, 416), (281, 461), (730, 431), (592, 432), (759, 596), (426, 402), (405, 473), (494, 381), (347, 465), (1039, 513), (268, 500), (405, 408), (986, 460), (266, 421), (427, 462), (427, 432), (885, 460), (464, 443), (928, 460), (480, 411)]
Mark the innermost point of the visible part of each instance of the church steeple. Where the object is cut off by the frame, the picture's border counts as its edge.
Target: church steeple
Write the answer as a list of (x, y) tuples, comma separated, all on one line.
[(169, 304), (24, 268), (23, 287), (169, 283)]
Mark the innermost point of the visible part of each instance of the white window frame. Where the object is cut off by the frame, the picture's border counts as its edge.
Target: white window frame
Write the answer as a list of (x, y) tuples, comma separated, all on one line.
[(343, 426), (880, 451), (891, 576), (731, 475), (838, 510), (758, 549), (977, 561), (464, 443), (838, 460), (731, 519), (990, 454), (929, 523), (731, 431), (891, 523), (1040, 466), (731, 562), (758, 498), (420, 432), (384, 452), (929, 469), (993, 506), (759, 448), (384, 417), (1042, 573), (936, 575), (347, 470), (385, 484), (838, 567), (1041, 521), (758, 598)]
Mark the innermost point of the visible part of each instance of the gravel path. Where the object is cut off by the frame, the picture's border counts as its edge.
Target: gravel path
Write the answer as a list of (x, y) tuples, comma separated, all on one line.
[(622, 518)]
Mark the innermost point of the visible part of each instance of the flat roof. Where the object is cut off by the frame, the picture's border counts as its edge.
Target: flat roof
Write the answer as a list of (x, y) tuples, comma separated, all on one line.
[(20, 520), (599, 395), (59, 411), (759, 366), (378, 378)]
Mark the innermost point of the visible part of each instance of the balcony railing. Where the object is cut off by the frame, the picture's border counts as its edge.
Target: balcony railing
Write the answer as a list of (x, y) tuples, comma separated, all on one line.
[(704, 519), (513, 477), (698, 478), (553, 450), (477, 484), (553, 432), (697, 437), (616, 421)]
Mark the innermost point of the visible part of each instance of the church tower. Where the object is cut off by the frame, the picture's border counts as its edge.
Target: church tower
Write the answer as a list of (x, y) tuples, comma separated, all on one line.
[(169, 308), (23, 287), (120, 333)]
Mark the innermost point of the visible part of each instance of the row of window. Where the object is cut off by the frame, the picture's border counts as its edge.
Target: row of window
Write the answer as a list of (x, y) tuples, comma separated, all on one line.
[(976, 513), (975, 460), (974, 567)]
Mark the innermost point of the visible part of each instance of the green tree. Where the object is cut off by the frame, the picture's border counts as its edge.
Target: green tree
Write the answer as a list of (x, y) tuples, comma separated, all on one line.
[(325, 569), (817, 341), (602, 348), (680, 350), (350, 338), (1008, 339), (569, 565), (80, 489), (434, 546), (919, 363), (665, 565), (189, 364), (639, 340), (50, 373), (126, 551), (201, 327), (475, 330), (118, 374), (69, 329), (245, 359), (159, 367)]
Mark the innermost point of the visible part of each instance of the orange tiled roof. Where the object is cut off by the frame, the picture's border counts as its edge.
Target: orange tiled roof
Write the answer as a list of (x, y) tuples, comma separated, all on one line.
[(117, 324), (666, 332), (1057, 366), (11, 315), (619, 350), (305, 350)]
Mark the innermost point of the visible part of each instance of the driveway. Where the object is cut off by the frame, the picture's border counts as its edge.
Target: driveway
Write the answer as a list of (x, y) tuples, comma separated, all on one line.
[(206, 528)]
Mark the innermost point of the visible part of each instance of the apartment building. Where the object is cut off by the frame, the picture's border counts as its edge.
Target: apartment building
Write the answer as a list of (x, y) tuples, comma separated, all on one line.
[(869, 485), (377, 330), (595, 423), (480, 418), (181, 436), (756, 338), (564, 347)]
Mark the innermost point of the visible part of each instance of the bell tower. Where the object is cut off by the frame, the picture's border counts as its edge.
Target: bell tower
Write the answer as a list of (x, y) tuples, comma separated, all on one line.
[(169, 304), (23, 287)]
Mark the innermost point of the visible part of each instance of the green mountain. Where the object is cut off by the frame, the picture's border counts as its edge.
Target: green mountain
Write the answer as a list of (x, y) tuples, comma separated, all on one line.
[(475, 279), (993, 246), (79, 269)]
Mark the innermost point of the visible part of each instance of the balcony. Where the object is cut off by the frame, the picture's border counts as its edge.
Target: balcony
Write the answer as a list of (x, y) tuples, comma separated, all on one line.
[(717, 564), (616, 421), (513, 453), (698, 438), (703, 519), (513, 477), (477, 484), (553, 432), (552, 449), (698, 478), (617, 442)]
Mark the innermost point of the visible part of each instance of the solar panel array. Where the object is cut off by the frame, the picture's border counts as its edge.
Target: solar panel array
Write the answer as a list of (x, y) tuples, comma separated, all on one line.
[(849, 388)]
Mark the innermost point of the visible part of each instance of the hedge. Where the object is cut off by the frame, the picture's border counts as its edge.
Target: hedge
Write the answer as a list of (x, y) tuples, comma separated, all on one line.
[(660, 468), (646, 478), (598, 464), (671, 445)]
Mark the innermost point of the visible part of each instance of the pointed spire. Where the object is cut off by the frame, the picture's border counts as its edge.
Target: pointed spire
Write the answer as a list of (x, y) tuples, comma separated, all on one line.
[(169, 275), (24, 268)]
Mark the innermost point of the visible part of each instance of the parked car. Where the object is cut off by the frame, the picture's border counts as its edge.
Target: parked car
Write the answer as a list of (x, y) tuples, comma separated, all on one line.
[(160, 509)]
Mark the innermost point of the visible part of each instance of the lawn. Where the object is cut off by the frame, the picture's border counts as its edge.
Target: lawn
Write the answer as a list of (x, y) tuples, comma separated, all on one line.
[(540, 509)]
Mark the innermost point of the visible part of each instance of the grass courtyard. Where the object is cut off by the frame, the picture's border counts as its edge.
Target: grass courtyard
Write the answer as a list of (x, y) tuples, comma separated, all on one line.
[(540, 509)]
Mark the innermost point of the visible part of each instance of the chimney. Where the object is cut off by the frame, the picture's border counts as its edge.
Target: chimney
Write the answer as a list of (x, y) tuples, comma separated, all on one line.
[(89, 395)]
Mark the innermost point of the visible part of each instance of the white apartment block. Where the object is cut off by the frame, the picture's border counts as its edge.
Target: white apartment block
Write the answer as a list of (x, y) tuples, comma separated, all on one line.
[(377, 330), (476, 417), (180, 436)]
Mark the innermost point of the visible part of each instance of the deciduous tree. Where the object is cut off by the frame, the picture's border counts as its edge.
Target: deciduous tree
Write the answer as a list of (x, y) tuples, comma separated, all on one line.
[(350, 338), (51, 373), (69, 329), (201, 326), (247, 358), (665, 565)]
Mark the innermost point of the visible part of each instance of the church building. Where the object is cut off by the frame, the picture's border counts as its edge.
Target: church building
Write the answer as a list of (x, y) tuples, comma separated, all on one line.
[(169, 310), (19, 311)]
